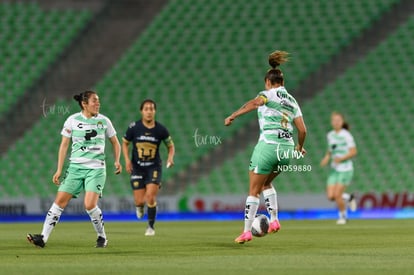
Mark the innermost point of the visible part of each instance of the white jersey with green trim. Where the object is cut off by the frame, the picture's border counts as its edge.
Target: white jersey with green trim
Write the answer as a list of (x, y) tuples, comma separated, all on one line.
[(276, 116), (339, 144), (88, 139)]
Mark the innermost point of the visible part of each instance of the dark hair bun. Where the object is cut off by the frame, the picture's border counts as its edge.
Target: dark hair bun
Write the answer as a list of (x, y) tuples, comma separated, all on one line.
[(273, 63), (78, 97)]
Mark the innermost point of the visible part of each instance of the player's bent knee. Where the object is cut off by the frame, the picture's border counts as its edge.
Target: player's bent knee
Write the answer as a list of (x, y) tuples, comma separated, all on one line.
[(151, 201)]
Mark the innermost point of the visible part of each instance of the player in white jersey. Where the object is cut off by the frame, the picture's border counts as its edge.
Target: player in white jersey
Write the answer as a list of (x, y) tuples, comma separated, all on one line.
[(341, 150), (277, 112), (86, 172)]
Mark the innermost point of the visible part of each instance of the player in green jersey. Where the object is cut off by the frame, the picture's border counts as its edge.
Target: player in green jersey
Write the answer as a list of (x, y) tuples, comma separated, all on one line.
[(277, 112), (86, 172), (341, 150)]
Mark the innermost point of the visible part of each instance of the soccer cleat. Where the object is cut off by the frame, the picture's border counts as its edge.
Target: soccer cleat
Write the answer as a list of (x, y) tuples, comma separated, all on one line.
[(101, 242), (140, 211), (150, 231), (244, 237), (341, 221), (352, 203), (274, 227), (36, 239)]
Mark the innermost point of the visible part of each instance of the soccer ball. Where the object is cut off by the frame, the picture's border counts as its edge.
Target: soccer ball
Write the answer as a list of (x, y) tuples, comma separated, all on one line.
[(260, 225)]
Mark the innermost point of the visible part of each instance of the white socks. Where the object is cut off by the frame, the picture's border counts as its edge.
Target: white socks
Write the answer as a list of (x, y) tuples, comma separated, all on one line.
[(97, 221), (270, 198), (52, 218), (252, 204)]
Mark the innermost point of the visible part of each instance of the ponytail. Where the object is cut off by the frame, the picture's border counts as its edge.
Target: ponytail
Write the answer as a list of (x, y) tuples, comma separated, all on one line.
[(345, 126), (277, 58)]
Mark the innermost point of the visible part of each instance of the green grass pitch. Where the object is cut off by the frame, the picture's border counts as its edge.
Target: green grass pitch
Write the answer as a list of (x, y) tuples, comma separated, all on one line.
[(301, 247)]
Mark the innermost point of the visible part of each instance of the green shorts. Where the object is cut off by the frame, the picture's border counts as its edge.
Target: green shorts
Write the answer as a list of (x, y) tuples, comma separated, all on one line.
[(79, 179), (343, 178), (267, 157)]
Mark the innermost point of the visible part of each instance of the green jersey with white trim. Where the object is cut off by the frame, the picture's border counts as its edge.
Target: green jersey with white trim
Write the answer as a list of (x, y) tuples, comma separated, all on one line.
[(88, 139), (276, 116), (339, 145)]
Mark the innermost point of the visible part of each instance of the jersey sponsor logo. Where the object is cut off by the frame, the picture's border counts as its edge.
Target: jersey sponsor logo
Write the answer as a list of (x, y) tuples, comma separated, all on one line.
[(147, 138), (281, 95), (145, 164), (284, 134), (81, 125), (90, 134)]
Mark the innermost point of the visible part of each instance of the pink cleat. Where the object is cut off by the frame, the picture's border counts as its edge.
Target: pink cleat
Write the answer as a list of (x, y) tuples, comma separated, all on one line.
[(274, 227), (244, 237)]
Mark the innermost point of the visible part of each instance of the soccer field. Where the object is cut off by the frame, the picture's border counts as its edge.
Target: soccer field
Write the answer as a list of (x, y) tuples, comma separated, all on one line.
[(301, 247)]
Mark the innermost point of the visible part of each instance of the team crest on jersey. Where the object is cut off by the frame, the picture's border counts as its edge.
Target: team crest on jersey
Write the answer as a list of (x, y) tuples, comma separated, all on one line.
[(99, 125), (132, 124)]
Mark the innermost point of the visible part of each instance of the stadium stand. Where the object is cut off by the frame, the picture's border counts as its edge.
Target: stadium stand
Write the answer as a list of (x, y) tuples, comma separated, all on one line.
[(31, 39), (199, 63)]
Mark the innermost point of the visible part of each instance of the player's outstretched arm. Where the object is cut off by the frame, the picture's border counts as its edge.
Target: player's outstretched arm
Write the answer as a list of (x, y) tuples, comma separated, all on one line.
[(249, 106)]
